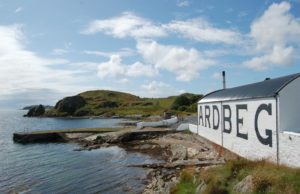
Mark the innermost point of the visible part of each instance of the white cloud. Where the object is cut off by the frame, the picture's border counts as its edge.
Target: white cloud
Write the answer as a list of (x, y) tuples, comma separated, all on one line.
[(124, 52), (218, 52), (19, 9), (85, 66), (131, 25), (276, 36), (22, 71), (182, 91), (59, 51), (154, 85), (276, 27), (279, 56), (185, 63), (139, 69), (183, 3), (217, 75), (156, 89), (115, 68), (126, 25), (123, 81), (201, 30)]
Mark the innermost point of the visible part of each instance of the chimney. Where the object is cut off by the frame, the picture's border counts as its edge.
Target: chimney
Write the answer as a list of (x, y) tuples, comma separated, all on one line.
[(224, 79)]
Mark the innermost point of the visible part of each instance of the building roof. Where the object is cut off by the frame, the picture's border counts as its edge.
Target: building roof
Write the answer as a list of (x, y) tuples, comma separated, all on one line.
[(264, 89)]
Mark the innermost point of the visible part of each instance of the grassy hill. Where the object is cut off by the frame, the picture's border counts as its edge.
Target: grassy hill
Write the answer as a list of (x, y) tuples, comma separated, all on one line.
[(113, 103)]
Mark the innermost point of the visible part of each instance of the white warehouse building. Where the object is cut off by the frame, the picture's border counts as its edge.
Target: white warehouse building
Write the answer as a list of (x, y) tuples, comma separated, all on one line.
[(256, 121)]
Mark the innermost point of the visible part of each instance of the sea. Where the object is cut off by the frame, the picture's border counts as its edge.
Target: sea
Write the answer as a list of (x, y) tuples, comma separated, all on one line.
[(57, 168)]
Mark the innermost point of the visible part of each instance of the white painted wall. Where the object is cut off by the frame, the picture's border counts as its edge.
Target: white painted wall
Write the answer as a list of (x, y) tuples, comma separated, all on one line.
[(214, 135), (193, 128), (289, 149), (289, 107), (250, 147), (182, 127)]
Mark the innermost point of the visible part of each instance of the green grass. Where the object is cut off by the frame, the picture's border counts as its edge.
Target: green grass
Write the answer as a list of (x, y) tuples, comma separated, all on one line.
[(186, 184), (267, 177), (112, 103), (126, 104)]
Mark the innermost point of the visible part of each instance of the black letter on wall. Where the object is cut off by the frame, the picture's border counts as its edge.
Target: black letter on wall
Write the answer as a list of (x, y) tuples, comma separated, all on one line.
[(207, 115), (200, 116), (268, 140), (227, 118), (216, 125), (240, 120)]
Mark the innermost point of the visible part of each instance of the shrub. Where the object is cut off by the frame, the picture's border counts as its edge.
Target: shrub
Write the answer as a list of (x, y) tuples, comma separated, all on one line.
[(186, 102), (108, 104)]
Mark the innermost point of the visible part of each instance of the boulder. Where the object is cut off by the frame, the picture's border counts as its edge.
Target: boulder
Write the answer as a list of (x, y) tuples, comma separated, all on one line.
[(36, 111), (70, 104), (191, 152), (245, 186), (179, 152)]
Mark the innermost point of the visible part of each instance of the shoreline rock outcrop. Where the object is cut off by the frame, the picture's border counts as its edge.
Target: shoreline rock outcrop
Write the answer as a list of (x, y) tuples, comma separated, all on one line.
[(70, 104), (36, 111)]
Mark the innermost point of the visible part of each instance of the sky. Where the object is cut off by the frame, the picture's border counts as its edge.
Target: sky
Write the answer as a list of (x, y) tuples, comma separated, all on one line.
[(55, 48)]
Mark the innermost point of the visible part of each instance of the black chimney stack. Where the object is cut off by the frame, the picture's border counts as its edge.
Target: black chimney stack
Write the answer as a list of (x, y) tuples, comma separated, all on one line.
[(224, 79)]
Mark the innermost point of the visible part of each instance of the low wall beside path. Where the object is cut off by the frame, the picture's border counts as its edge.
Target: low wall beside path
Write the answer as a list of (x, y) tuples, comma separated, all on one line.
[(287, 152), (161, 123)]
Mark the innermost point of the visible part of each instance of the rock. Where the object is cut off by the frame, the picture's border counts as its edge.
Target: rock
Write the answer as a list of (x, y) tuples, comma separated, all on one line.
[(105, 145), (36, 111), (245, 186), (174, 179), (78, 149), (70, 104), (191, 152), (146, 147), (178, 151)]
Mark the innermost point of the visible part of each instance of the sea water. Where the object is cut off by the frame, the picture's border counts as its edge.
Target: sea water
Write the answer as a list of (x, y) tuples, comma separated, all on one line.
[(57, 168)]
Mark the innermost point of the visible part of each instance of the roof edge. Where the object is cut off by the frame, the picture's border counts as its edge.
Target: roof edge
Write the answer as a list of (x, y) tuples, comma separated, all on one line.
[(243, 99), (287, 83), (210, 93), (275, 92)]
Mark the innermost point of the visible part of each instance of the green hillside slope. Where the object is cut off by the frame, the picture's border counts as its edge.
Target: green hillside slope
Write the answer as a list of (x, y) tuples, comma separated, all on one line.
[(112, 103)]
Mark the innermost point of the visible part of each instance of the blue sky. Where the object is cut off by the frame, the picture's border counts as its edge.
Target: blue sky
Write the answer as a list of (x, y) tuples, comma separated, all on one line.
[(51, 49)]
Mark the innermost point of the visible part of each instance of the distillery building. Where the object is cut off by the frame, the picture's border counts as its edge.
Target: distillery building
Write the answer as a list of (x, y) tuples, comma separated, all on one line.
[(256, 121)]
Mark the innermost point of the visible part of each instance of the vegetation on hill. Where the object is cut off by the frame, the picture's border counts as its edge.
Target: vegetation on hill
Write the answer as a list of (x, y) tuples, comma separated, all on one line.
[(111, 103), (255, 176), (186, 102)]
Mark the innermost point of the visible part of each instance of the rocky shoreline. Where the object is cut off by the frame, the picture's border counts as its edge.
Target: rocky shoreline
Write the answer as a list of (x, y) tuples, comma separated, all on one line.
[(176, 151)]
